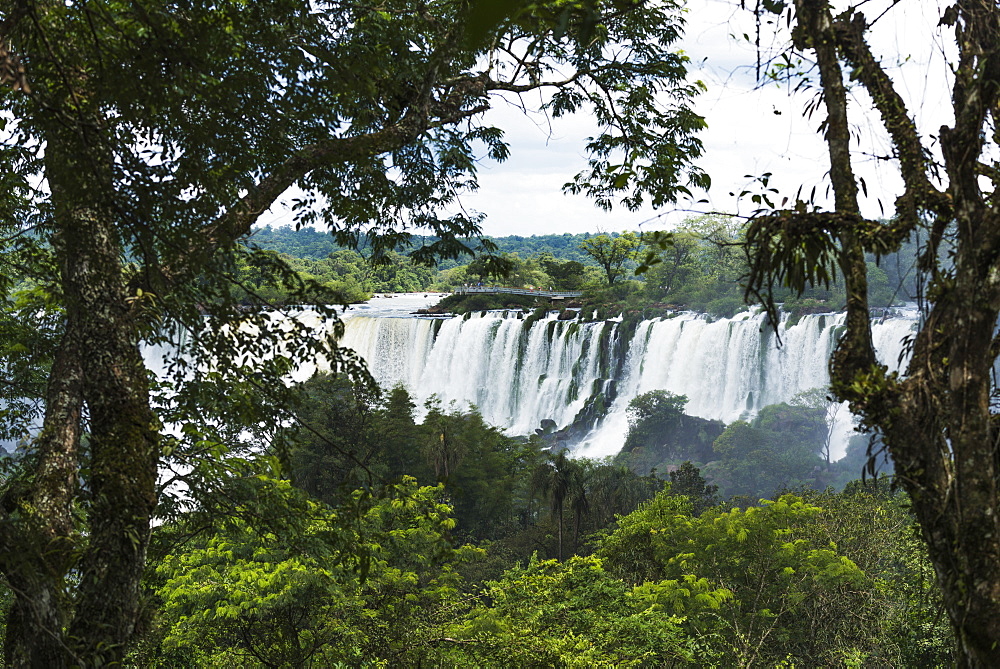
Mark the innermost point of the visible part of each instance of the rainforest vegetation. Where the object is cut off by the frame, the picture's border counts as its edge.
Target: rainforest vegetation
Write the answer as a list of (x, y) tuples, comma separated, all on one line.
[(478, 548), (699, 269), (216, 514)]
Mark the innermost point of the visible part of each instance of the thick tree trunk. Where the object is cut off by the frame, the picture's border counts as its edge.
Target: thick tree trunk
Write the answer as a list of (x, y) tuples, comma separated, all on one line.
[(945, 453), (39, 549), (936, 422), (98, 363), (123, 443), (123, 448)]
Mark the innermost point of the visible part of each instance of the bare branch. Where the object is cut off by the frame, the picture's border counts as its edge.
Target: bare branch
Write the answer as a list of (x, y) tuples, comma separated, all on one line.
[(511, 87), (913, 159), (855, 352)]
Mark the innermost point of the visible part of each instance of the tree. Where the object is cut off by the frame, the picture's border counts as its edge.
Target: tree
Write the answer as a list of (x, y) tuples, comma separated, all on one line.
[(776, 451), (678, 264), (871, 524), (615, 490), (687, 480), (699, 265), (566, 275), (162, 134), (576, 614), (937, 420), (399, 435), (560, 479), (444, 446), (651, 418), (816, 398), (479, 466), (335, 440), (485, 267), (660, 433), (611, 253), (792, 595), (321, 591)]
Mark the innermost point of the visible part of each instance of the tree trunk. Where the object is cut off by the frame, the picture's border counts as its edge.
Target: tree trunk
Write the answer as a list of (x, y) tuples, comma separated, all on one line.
[(99, 362), (936, 422), (44, 541), (560, 532), (944, 447)]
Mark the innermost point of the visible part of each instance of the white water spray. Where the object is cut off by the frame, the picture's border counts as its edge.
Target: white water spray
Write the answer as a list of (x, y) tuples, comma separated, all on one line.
[(519, 375)]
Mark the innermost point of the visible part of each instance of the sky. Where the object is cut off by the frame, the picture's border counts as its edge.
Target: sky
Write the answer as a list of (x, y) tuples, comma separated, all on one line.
[(751, 130)]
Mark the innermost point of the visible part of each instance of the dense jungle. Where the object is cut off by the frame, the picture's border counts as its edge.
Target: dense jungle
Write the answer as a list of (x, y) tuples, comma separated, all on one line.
[(172, 494)]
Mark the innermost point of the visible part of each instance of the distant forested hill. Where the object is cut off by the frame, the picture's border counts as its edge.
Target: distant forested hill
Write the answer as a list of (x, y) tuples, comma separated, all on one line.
[(563, 247), (312, 244), (305, 243)]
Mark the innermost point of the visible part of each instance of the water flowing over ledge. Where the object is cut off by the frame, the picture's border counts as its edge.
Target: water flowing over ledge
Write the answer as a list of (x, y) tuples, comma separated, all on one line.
[(519, 373)]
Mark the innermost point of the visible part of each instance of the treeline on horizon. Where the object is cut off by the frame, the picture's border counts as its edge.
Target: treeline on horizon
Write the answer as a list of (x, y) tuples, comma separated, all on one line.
[(312, 244), (700, 269), (445, 542)]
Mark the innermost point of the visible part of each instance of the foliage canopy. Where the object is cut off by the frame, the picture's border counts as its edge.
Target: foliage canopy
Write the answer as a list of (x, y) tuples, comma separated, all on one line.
[(142, 140)]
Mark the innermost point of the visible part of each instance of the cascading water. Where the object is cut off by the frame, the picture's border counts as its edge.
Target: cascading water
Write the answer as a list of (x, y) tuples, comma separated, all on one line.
[(516, 374), (519, 374), (731, 368)]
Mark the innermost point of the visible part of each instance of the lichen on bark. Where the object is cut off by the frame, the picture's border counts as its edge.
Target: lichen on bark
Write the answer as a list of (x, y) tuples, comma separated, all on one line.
[(936, 418)]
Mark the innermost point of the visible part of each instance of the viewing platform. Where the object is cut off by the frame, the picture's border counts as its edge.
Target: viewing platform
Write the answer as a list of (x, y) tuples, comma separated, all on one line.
[(553, 294)]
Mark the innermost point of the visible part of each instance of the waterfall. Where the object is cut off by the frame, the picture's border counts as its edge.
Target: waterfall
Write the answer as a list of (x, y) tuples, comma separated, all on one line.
[(731, 368), (519, 373)]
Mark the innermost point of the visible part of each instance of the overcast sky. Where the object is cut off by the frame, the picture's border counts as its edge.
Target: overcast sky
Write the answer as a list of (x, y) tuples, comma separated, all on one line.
[(751, 130)]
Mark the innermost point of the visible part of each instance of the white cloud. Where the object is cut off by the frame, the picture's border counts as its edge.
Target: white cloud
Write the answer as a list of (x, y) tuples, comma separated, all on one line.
[(751, 130)]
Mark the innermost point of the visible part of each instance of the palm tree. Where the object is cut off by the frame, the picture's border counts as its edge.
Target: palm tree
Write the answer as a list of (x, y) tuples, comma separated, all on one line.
[(555, 478), (578, 496), (444, 447)]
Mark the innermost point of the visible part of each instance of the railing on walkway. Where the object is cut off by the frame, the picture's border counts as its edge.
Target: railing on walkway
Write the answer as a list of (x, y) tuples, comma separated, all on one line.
[(554, 294)]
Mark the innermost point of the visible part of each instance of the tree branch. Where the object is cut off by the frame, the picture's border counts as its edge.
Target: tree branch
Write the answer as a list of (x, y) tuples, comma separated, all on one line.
[(855, 354), (12, 71), (494, 85), (913, 161), (238, 219)]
